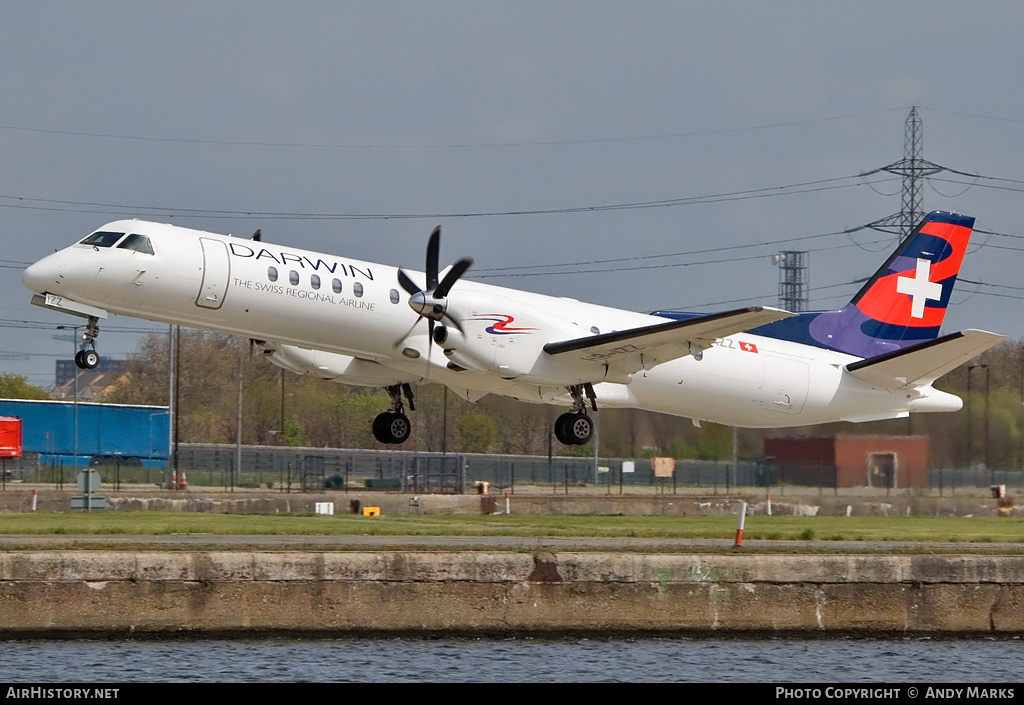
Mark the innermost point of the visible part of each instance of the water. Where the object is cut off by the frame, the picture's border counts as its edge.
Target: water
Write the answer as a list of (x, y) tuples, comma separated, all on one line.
[(384, 660)]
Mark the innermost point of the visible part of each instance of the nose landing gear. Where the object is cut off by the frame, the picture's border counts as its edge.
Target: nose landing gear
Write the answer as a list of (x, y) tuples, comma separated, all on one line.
[(88, 358)]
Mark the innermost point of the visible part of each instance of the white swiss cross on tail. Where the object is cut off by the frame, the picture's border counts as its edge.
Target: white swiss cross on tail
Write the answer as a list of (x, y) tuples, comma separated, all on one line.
[(748, 347), (919, 289)]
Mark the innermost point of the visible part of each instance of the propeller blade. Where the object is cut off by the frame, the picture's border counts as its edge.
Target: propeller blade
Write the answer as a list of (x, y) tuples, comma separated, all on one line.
[(433, 254), (430, 338), (408, 284), (455, 324), (407, 333), (457, 270), (431, 306)]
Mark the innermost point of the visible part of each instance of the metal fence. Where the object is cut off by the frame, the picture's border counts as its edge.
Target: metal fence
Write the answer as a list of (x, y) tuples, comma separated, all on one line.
[(261, 465), (317, 469)]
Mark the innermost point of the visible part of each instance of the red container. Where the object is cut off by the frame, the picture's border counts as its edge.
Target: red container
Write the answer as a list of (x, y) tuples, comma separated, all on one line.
[(10, 437)]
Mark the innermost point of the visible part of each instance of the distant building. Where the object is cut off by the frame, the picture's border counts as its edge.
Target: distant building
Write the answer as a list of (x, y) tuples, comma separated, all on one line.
[(90, 382), (66, 369), (850, 461)]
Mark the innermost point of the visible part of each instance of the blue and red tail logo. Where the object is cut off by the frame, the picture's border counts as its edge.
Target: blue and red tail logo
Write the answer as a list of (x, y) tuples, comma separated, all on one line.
[(913, 288), (905, 301), (901, 305)]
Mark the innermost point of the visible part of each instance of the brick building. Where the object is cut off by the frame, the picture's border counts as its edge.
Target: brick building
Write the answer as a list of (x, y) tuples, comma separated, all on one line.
[(850, 461)]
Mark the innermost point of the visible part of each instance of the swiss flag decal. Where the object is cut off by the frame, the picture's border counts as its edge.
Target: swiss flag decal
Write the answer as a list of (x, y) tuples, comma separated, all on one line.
[(748, 347)]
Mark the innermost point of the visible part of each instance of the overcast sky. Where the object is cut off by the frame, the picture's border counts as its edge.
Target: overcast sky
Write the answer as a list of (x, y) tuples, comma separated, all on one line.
[(444, 109)]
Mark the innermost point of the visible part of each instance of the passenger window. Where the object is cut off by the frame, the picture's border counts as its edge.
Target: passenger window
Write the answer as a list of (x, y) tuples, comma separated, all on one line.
[(336, 285), (102, 239), (595, 330), (314, 281), (293, 277), (138, 243), (272, 273), (357, 289), (394, 296)]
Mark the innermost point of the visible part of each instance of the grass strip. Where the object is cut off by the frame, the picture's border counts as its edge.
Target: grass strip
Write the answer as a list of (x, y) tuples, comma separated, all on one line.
[(782, 528)]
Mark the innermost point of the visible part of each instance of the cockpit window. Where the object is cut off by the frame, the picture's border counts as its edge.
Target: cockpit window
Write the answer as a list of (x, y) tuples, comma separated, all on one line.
[(139, 243), (102, 239)]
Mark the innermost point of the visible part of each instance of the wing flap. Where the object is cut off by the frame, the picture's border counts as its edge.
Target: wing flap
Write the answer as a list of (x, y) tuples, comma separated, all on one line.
[(635, 349), (923, 363)]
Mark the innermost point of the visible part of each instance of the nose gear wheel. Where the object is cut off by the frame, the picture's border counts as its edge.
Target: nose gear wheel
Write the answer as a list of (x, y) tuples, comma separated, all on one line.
[(88, 358)]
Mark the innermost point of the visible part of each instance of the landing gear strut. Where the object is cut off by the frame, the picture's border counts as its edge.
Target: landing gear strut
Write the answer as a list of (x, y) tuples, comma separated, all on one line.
[(576, 427), (88, 358), (393, 427)]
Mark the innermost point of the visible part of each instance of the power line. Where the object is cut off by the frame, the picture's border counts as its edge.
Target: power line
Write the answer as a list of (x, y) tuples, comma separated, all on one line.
[(686, 253), (456, 145), (983, 185), (747, 299), (42, 325), (667, 265), (974, 115), (25, 202), (1000, 286)]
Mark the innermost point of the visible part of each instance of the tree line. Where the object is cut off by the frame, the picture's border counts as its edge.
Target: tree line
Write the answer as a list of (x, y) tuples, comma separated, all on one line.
[(279, 407)]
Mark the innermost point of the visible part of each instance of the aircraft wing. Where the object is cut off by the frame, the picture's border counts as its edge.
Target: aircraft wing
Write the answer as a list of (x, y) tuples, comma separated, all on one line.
[(642, 348), (925, 362)]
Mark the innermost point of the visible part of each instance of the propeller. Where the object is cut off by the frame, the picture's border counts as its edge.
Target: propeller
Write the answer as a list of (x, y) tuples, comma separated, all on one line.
[(432, 303), (256, 237)]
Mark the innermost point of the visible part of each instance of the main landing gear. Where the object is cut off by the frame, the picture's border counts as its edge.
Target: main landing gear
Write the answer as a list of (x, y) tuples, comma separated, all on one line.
[(88, 358), (576, 427), (393, 427)]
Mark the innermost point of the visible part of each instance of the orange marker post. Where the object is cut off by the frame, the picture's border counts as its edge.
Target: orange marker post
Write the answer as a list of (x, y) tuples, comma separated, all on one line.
[(741, 519)]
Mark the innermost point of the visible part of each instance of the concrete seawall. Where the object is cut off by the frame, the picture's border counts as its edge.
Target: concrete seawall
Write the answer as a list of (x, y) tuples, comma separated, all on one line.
[(156, 592)]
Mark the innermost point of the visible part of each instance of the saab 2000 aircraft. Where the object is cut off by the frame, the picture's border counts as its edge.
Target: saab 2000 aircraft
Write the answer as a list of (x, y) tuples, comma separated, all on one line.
[(351, 322)]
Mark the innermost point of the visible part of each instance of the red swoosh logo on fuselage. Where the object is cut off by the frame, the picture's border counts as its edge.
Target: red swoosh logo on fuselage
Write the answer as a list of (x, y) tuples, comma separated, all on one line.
[(501, 324)]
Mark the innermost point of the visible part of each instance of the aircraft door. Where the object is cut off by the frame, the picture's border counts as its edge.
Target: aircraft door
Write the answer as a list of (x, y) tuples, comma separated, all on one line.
[(786, 383), (216, 269)]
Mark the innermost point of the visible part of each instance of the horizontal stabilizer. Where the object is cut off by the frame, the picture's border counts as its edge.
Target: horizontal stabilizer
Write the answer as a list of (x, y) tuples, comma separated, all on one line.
[(925, 362), (642, 348)]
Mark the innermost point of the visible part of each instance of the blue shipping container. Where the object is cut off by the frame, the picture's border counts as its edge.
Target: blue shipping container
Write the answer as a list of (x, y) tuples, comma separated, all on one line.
[(137, 435)]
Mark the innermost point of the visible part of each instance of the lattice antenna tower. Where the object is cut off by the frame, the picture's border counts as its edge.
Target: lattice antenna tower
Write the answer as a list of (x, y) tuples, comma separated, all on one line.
[(794, 279), (911, 210), (913, 168)]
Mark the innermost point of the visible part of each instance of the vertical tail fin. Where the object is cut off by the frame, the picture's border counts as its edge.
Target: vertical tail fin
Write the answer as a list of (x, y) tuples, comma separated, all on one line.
[(901, 305), (905, 301)]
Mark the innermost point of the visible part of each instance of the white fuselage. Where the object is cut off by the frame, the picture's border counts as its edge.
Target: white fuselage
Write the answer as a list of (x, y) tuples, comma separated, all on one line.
[(355, 325)]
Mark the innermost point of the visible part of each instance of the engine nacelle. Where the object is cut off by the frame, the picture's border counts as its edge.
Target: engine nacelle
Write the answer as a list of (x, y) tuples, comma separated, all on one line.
[(466, 361), (506, 339), (344, 369), (521, 359)]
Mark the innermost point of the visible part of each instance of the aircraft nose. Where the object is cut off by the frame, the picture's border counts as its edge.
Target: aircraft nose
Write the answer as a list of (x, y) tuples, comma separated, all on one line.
[(43, 276)]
